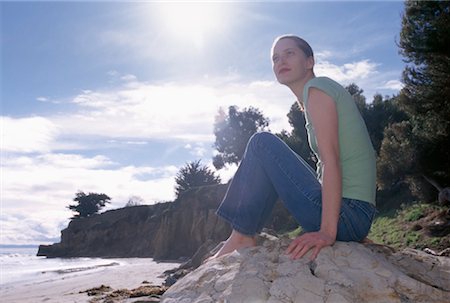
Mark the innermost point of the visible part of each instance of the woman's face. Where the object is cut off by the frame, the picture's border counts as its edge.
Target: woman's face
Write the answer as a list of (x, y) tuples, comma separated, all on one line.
[(289, 62)]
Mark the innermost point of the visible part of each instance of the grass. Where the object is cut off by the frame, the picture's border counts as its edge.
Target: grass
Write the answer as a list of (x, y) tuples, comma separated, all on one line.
[(406, 227), (294, 233)]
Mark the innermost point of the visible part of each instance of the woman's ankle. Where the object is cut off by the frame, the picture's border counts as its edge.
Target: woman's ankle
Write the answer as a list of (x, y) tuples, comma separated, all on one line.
[(238, 237)]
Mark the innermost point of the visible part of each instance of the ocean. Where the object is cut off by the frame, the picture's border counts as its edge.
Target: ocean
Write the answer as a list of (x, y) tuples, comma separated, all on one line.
[(20, 265)]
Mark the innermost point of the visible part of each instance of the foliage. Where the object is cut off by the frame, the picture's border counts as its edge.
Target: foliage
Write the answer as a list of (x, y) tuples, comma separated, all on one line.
[(406, 227), (380, 114), (193, 174), (397, 155), (358, 97), (425, 44), (134, 201), (377, 115), (89, 204), (297, 139), (233, 130)]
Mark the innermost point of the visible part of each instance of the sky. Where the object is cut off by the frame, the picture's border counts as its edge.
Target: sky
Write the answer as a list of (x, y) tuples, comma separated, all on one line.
[(116, 97)]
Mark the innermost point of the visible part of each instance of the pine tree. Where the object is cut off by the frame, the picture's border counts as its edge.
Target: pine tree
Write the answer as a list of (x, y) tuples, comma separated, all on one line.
[(192, 175), (425, 44)]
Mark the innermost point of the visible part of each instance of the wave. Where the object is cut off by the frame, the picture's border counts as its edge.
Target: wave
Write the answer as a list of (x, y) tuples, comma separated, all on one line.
[(78, 269), (18, 267)]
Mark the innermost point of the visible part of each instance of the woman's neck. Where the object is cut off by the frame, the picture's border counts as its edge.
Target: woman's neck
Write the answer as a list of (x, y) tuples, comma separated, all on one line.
[(297, 87)]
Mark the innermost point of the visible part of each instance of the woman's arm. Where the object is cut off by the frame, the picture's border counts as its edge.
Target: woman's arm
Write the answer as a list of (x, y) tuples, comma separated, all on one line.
[(323, 113), (324, 118)]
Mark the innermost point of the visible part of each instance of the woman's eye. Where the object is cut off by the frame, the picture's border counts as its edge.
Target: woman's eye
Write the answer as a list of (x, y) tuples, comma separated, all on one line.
[(275, 59)]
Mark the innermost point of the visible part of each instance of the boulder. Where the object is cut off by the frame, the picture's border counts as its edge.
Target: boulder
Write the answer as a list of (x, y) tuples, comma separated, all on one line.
[(345, 272)]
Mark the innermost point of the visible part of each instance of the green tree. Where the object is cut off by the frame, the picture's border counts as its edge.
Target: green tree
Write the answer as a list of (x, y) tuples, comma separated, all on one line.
[(397, 155), (88, 205), (358, 97), (233, 130), (297, 139), (379, 115), (425, 44), (192, 175)]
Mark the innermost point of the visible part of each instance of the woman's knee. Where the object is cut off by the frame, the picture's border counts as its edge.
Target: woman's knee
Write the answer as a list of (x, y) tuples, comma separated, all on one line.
[(262, 137)]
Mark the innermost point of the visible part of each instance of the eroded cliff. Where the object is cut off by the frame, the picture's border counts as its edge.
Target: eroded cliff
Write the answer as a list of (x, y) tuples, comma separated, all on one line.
[(161, 231)]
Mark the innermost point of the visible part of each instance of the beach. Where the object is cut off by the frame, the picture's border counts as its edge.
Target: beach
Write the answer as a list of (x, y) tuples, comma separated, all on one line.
[(69, 283)]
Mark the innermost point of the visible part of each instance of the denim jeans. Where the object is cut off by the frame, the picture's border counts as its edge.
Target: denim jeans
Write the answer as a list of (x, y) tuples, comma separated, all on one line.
[(270, 170)]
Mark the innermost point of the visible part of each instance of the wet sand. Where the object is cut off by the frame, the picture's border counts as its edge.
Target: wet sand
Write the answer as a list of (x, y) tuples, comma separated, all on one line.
[(72, 286)]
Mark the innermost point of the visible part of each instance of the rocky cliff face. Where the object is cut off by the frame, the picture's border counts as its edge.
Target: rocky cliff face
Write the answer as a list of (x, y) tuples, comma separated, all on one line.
[(346, 272), (162, 231)]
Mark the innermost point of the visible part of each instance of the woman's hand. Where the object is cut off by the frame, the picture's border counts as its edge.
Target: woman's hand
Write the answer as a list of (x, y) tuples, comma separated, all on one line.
[(313, 240)]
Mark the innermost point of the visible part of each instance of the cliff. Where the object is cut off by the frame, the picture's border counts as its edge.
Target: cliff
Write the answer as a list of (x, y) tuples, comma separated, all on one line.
[(161, 231), (166, 231), (345, 272)]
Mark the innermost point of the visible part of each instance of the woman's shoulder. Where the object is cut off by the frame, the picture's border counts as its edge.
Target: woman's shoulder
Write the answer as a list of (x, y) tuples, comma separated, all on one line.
[(325, 84), (322, 81)]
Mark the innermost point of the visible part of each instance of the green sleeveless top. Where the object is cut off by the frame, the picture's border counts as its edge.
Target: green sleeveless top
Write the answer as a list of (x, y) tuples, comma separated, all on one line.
[(357, 156)]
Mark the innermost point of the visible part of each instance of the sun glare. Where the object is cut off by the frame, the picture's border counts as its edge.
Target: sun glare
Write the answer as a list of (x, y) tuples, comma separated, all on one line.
[(191, 22)]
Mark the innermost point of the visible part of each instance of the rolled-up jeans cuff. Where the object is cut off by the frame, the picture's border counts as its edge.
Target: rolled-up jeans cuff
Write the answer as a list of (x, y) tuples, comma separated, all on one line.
[(235, 227)]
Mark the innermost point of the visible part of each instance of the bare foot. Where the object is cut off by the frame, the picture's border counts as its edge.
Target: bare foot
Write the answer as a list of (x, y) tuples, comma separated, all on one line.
[(235, 242)]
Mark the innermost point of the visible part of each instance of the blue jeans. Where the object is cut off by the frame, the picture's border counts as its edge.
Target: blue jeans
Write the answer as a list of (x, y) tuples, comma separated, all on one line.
[(270, 169)]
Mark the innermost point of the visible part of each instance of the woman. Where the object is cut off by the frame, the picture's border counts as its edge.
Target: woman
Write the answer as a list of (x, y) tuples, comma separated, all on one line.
[(337, 203)]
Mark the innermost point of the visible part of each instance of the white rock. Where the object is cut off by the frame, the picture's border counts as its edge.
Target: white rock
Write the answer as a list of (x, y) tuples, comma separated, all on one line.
[(346, 272)]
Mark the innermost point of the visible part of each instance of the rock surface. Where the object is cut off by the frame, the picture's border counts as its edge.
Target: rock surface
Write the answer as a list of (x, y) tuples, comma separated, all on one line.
[(346, 272)]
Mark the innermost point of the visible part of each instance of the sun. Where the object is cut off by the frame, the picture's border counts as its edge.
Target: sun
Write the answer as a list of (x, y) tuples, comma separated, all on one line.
[(191, 22)]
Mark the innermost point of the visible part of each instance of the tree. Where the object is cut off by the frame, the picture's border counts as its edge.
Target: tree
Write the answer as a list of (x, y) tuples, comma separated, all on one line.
[(192, 175), (358, 97), (379, 115), (425, 44), (134, 201), (233, 130), (297, 139), (88, 204), (397, 155)]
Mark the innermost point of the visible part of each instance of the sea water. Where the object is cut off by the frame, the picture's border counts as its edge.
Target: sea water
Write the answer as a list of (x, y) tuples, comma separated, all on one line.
[(21, 265)]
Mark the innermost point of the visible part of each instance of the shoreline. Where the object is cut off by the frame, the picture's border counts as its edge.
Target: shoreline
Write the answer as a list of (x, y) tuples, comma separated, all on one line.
[(68, 287)]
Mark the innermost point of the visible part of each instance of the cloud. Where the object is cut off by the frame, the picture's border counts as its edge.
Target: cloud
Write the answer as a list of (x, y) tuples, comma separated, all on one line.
[(346, 73), (172, 111), (129, 78), (37, 189), (32, 229), (198, 150), (137, 112), (392, 84), (27, 135), (364, 73)]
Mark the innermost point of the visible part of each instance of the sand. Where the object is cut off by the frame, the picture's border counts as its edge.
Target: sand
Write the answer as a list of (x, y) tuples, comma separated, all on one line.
[(69, 287)]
